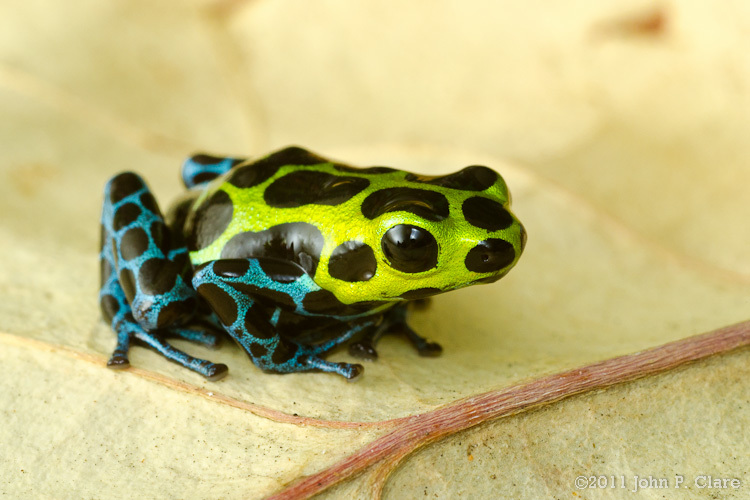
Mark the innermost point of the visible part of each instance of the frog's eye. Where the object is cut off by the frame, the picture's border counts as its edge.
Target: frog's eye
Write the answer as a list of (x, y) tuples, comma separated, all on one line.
[(410, 249)]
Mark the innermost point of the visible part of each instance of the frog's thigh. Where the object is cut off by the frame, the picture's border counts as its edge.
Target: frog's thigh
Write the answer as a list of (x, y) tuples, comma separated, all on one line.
[(148, 270), (129, 206), (232, 289)]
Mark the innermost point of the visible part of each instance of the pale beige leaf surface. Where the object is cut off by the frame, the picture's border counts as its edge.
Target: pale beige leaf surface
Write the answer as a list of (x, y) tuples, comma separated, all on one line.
[(619, 128)]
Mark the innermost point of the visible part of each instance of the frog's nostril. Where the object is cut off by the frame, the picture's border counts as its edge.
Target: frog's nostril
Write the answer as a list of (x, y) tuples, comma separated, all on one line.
[(490, 255)]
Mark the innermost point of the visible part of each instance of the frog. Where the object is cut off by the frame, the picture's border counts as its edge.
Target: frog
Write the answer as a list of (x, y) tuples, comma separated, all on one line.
[(293, 255)]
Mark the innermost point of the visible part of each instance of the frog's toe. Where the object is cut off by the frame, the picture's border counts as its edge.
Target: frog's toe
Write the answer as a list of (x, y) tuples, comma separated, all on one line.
[(429, 349), (349, 371), (211, 371), (363, 349), (424, 347), (118, 361), (216, 371), (352, 371)]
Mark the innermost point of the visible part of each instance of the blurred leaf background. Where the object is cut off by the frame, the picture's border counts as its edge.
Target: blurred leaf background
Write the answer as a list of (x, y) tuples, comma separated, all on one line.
[(620, 127)]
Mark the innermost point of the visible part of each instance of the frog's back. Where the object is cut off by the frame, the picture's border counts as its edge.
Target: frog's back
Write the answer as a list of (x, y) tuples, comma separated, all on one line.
[(326, 216), (283, 206)]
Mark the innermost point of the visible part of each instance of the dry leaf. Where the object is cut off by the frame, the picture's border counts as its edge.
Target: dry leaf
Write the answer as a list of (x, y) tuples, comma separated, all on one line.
[(619, 127)]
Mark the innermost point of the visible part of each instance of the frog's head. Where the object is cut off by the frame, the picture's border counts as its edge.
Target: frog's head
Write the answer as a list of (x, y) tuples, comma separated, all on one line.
[(428, 235)]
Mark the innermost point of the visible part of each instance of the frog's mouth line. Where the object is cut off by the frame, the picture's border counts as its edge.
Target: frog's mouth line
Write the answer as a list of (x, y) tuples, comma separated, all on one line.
[(489, 279)]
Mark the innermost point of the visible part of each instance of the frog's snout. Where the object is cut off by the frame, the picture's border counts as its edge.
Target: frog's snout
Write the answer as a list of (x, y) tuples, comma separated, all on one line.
[(495, 254), (522, 236)]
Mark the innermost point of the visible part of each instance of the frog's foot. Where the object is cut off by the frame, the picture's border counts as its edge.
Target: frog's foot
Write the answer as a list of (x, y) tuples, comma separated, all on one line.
[(145, 293), (424, 347), (129, 330), (285, 356), (364, 348), (349, 371), (303, 357), (212, 371), (119, 359)]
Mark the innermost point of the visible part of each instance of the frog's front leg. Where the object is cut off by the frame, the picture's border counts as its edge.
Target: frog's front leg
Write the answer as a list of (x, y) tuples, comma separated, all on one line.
[(145, 293), (249, 294), (394, 322), (202, 168)]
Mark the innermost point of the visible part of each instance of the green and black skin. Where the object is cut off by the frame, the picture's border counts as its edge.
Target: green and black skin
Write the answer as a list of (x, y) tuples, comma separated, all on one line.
[(293, 254)]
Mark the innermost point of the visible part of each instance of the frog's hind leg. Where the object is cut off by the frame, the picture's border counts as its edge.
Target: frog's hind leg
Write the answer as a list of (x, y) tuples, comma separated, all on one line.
[(237, 290), (144, 292), (394, 322), (116, 309), (202, 337), (201, 168)]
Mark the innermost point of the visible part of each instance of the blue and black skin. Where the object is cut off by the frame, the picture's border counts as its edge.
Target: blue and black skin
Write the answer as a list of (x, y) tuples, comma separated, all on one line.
[(263, 287)]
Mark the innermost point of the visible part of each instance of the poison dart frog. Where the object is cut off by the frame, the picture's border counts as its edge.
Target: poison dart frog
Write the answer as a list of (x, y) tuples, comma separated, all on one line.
[(293, 254)]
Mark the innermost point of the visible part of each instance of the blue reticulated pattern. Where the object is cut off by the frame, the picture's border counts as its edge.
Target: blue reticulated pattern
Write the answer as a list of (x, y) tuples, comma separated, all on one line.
[(147, 294), (202, 168), (144, 294), (235, 289)]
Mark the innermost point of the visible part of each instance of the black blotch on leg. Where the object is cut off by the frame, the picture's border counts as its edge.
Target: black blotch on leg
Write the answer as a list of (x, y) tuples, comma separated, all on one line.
[(175, 313), (157, 276), (258, 350), (221, 302), (284, 352), (123, 185), (257, 323), (125, 215), (127, 282), (281, 271), (149, 203), (231, 268), (134, 243), (265, 296), (109, 306), (105, 270)]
